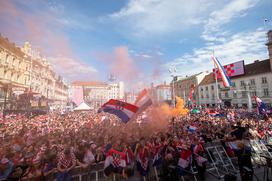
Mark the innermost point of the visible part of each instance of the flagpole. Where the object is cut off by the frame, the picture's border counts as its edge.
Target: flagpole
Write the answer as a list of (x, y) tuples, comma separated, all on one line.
[(216, 82)]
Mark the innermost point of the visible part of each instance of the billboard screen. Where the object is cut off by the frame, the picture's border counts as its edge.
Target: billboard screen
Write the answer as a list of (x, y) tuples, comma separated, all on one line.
[(233, 69)]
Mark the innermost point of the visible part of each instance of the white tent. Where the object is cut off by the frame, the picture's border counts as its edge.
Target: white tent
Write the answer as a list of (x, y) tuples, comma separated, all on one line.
[(83, 107)]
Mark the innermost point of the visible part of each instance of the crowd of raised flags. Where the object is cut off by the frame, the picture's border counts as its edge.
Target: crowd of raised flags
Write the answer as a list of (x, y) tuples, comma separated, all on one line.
[(43, 145), (103, 137)]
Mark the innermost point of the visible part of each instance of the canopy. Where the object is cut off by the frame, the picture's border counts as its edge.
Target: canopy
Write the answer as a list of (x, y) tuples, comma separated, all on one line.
[(83, 107), (195, 111)]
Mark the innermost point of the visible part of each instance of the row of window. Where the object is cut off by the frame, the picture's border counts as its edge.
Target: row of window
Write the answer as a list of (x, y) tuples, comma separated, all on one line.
[(242, 83), (244, 94)]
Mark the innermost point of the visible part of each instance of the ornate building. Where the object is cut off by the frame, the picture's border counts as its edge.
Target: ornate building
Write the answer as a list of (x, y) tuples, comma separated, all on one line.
[(24, 70), (14, 70)]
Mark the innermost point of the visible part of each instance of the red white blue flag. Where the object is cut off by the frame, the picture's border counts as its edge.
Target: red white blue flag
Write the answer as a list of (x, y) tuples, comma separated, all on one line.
[(222, 72), (143, 101), (185, 158), (123, 110), (115, 162), (261, 107)]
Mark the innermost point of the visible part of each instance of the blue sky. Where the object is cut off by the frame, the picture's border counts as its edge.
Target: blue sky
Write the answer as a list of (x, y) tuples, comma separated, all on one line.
[(138, 40)]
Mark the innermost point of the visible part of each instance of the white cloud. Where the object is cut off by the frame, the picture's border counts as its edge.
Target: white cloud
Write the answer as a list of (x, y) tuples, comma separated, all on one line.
[(248, 46), (160, 53), (157, 17), (234, 9), (71, 68), (146, 56)]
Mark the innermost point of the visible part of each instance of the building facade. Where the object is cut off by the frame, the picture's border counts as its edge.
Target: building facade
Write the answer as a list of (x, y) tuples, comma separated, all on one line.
[(24, 70), (14, 70), (183, 86), (98, 93), (163, 93), (43, 79), (130, 97), (256, 81)]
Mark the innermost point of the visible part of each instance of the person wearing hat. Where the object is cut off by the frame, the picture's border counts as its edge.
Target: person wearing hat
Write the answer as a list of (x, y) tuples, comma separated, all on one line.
[(6, 167)]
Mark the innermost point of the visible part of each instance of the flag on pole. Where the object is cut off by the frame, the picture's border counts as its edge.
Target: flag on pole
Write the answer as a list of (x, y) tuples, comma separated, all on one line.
[(261, 107), (185, 158), (222, 72), (115, 162), (191, 95), (143, 101), (123, 110)]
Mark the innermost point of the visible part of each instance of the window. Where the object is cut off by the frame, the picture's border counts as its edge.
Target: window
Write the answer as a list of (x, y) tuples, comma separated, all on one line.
[(212, 87), (220, 96), (213, 96), (202, 96), (218, 86), (243, 94), (233, 84), (266, 93), (242, 83), (252, 81), (234, 94), (207, 88), (264, 80), (201, 89), (253, 93), (5, 74), (226, 94), (207, 96)]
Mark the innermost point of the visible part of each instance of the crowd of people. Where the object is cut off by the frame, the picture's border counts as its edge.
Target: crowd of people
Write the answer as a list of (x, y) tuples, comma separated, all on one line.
[(34, 148)]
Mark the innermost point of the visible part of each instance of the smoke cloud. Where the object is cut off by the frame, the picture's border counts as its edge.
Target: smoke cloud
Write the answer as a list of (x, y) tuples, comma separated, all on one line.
[(43, 32)]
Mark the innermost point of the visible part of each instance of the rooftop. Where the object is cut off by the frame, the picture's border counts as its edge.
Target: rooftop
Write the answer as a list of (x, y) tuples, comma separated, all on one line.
[(5, 43), (255, 68), (162, 86), (92, 83)]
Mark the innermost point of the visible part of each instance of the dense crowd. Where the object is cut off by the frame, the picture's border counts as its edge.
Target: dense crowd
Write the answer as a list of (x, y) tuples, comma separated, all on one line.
[(34, 148)]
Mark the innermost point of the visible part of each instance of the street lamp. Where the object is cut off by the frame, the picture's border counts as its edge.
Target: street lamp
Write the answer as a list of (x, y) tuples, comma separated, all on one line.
[(172, 70)]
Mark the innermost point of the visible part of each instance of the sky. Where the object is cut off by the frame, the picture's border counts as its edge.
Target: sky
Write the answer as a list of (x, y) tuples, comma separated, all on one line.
[(138, 40)]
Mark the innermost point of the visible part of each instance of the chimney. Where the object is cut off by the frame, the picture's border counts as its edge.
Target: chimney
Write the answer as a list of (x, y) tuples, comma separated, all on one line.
[(269, 46)]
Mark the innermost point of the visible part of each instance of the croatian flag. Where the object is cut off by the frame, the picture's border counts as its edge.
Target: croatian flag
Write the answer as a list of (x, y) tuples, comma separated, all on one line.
[(214, 113), (261, 107), (157, 160), (222, 72), (185, 158), (123, 110), (115, 162), (192, 129), (142, 162), (191, 94), (143, 101)]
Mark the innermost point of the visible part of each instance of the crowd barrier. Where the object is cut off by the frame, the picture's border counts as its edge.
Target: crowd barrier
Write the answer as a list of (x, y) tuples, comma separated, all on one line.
[(219, 164)]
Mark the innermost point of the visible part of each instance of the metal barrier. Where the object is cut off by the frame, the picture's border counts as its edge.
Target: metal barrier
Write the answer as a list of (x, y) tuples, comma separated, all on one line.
[(259, 151), (219, 163)]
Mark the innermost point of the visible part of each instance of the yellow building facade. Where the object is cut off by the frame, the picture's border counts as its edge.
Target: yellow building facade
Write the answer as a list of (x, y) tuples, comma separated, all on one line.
[(22, 70)]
